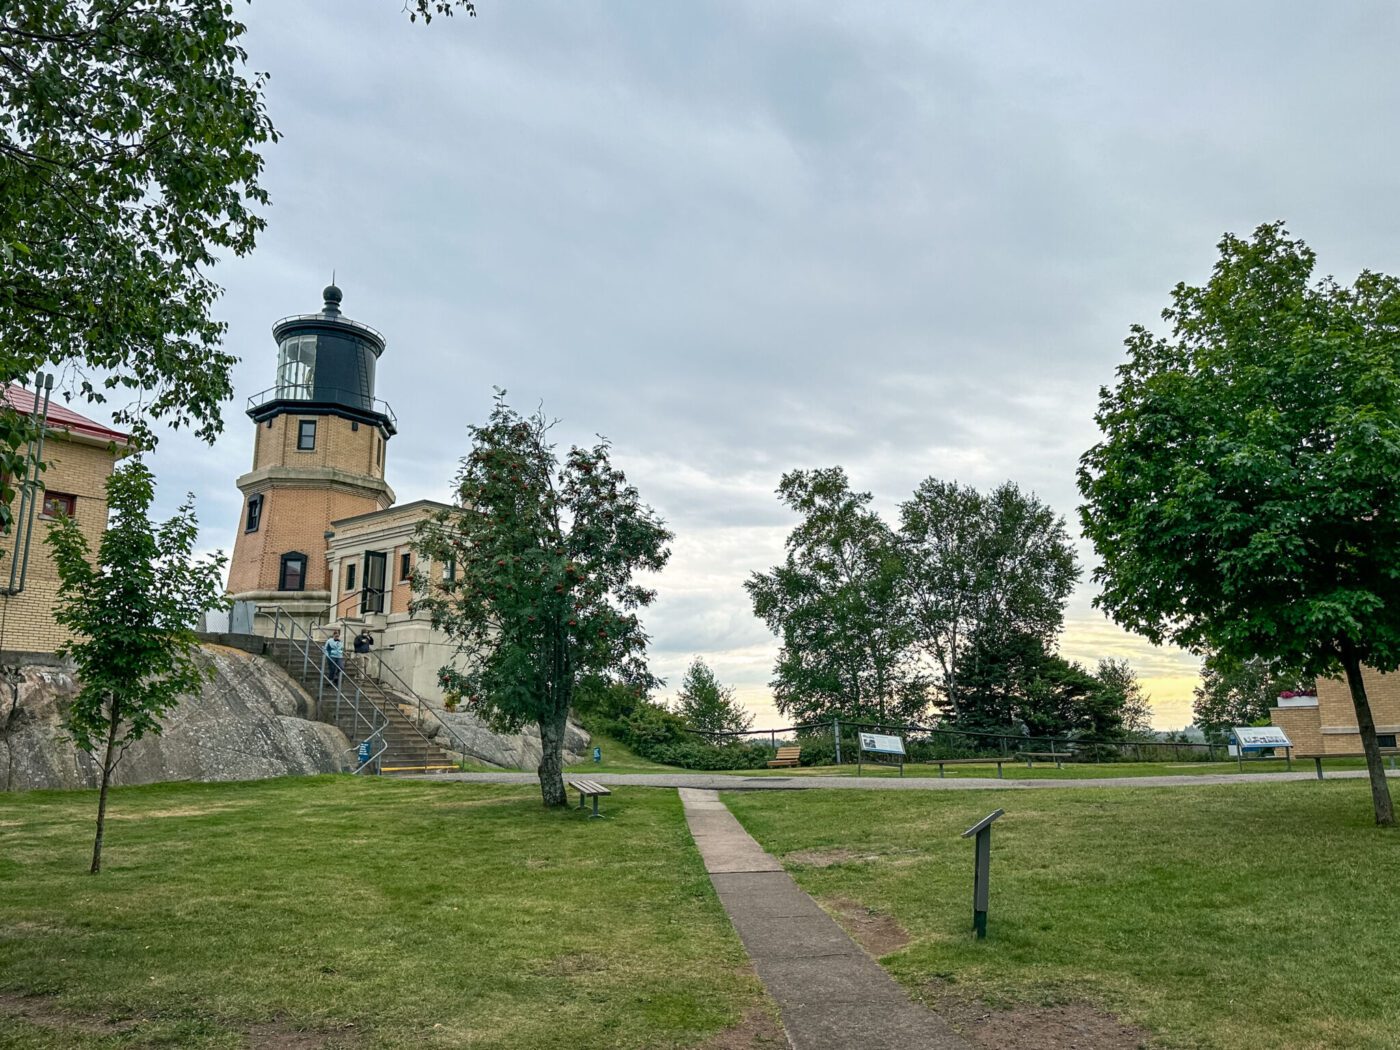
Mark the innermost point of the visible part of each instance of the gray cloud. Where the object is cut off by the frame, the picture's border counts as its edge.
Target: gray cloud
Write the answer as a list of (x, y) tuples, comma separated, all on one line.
[(742, 238)]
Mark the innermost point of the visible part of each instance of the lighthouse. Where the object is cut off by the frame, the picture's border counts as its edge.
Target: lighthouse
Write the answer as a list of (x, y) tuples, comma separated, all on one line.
[(320, 445)]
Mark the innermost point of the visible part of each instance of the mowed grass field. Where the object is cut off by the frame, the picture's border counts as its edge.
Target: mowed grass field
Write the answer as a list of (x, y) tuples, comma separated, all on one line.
[(355, 912), (1258, 915)]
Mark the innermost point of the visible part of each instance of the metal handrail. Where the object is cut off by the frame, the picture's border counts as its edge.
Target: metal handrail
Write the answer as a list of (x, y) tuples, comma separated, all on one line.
[(422, 705), (315, 395), (335, 319), (375, 726)]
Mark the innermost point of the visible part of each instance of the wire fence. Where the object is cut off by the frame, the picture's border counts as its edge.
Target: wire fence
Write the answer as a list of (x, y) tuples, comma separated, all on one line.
[(835, 742)]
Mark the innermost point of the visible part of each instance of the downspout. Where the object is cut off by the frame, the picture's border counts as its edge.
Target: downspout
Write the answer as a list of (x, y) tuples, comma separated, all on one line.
[(28, 500)]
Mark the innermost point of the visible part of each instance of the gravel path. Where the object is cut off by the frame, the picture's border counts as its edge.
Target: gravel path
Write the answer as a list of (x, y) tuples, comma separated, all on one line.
[(738, 782)]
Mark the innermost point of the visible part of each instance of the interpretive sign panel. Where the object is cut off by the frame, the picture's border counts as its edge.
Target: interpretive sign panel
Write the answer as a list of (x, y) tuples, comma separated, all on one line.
[(882, 745), (1258, 738)]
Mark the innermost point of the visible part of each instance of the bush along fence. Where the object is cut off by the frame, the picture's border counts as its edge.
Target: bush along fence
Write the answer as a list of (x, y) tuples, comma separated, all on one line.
[(835, 743)]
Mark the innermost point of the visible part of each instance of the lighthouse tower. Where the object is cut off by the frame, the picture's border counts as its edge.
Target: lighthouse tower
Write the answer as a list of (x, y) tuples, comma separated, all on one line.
[(318, 457)]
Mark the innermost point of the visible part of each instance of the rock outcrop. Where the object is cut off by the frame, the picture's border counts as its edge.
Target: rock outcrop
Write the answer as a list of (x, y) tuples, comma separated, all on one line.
[(249, 722), (472, 740)]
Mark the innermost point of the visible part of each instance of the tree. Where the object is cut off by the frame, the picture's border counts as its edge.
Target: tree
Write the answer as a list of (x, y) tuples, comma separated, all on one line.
[(1119, 677), (996, 565), (131, 614), (544, 592), (838, 605), (1244, 498), (1238, 692), (1015, 684), (707, 705), (129, 155)]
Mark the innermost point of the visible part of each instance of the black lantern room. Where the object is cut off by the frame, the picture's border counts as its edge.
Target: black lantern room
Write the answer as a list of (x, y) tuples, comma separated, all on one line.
[(325, 366)]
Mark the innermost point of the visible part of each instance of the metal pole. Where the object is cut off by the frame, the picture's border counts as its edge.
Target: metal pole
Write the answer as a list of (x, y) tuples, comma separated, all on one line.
[(981, 883), (836, 733)]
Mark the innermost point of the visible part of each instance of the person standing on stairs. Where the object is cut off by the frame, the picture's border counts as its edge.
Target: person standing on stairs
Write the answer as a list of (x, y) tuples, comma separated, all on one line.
[(335, 657), (364, 642)]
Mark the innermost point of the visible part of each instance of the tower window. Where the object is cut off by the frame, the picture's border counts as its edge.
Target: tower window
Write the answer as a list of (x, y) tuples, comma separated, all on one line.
[(293, 575), (405, 567), (350, 577), (379, 453), (255, 504), (354, 424), (306, 435), (449, 571)]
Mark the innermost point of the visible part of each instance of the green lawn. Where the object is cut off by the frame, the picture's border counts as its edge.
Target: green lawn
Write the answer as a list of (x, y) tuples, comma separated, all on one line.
[(1014, 770), (368, 912), (1254, 916)]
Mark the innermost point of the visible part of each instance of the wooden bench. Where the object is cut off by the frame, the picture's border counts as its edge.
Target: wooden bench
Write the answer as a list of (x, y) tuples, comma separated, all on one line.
[(787, 756), (1389, 752), (1057, 757), (589, 789), (941, 762)]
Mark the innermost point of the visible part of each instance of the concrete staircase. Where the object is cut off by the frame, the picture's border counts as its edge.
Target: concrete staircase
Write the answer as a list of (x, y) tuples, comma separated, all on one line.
[(408, 750)]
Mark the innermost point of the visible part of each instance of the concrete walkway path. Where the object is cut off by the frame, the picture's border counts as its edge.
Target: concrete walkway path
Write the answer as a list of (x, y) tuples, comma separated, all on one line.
[(831, 993), (739, 782)]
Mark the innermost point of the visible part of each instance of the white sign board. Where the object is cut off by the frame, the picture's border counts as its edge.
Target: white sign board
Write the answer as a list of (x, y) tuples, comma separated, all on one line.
[(1256, 738), (884, 745)]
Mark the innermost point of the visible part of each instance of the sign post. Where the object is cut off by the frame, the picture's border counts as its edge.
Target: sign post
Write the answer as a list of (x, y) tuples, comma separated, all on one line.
[(982, 871), (363, 751), (597, 755), (1261, 738)]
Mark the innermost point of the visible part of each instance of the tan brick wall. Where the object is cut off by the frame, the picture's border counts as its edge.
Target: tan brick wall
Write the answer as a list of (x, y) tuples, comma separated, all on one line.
[(338, 444), (1336, 710), (297, 513), (81, 470), (1302, 726)]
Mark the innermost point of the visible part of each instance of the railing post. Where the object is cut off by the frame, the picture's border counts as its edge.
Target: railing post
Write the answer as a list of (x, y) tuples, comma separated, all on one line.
[(836, 733)]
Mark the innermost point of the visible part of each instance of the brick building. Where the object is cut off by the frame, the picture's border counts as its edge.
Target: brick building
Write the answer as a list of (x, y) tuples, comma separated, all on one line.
[(318, 457), (80, 455), (1325, 724), (320, 539)]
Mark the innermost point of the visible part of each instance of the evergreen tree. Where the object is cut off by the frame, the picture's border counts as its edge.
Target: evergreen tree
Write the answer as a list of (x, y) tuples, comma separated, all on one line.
[(707, 705)]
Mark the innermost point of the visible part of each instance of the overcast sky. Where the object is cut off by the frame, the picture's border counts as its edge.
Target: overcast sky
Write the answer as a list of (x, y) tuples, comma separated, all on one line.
[(741, 238)]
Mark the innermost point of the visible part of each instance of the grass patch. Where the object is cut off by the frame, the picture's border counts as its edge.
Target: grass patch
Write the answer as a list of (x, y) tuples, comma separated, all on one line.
[(1013, 769), (1254, 916), (366, 912), (618, 758)]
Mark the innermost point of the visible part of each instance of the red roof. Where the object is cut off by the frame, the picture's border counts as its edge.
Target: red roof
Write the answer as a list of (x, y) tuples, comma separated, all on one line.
[(61, 418)]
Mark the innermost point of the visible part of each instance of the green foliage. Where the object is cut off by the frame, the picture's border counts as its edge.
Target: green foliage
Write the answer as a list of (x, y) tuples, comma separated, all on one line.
[(996, 565), (1242, 500), (1119, 677), (1014, 683), (129, 143), (625, 713), (838, 605), (1238, 693), (544, 592), (709, 706), (132, 613)]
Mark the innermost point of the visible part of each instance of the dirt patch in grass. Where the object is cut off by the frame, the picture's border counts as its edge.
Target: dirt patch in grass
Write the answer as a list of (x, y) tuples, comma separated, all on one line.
[(877, 934), (824, 858), (759, 1030), (176, 811), (1074, 1025), (40, 1011)]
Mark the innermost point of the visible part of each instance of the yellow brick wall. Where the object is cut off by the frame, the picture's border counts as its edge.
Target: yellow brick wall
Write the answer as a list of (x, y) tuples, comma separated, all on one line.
[(26, 619), (1336, 710), (297, 514), (1302, 726), (338, 444), (294, 518)]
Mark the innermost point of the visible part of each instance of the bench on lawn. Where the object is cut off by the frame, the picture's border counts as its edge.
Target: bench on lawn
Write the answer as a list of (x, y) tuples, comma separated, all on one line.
[(1055, 756), (1390, 752), (941, 762), (787, 756), (589, 789)]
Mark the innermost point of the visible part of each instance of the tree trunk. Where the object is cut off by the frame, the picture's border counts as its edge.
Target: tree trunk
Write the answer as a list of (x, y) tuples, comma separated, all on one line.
[(552, 759), (1380, 790), (107, 764)]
